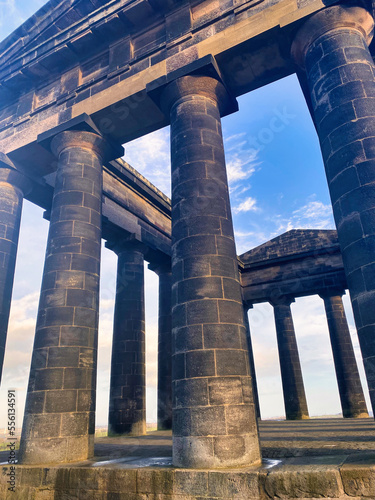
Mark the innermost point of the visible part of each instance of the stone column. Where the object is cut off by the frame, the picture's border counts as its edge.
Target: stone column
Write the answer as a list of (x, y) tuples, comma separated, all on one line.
[(59, 421), (214, 421), (290, 366), (350, 388), (332, 46), (13, 186), (127, 400), (163, 270), (251, 361)]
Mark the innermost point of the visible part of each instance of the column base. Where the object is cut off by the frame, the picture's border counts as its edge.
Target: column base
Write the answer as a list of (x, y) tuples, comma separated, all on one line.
[(134, 430), (56, 450), (298, 417), (356, 415), (201, 452)]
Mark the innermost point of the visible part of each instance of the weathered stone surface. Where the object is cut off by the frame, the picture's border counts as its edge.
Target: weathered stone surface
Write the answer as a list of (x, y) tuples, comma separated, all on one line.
[(93, 66), (127, 401), (335, 42), (205, 436), (163, 270), (13, 187), (290, 366), (252, 364), (350, 388), (299, 262), (68, 305)]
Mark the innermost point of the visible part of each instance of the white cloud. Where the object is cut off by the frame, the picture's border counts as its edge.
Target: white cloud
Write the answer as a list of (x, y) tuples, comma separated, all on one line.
[(240, 166), (150, 156), (14, 12), (315, 213), (248, 205), (312, 215)]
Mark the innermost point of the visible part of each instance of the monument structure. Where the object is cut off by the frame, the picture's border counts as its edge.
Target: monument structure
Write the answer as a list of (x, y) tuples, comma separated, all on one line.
[(80, 79)]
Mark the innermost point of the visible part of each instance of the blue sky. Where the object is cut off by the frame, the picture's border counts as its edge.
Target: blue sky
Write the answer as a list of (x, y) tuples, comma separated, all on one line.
[(277, 182)]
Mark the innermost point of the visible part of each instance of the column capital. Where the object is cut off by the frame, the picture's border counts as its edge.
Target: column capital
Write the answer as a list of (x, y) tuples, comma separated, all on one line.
[(326, 294), (82, 139), (162, 266), (331, 18), (201, 77), (247, 306), (122, 245), (10, 175), (282, 300), (81, 132), (195, 85)]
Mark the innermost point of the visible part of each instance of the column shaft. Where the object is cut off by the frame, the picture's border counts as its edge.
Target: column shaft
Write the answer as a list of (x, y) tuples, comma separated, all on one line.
[(59, 421), (165, 352), (12, 186), (290, 366), (252, 365), (350, 388), (127, 404), (214, 422), (333, 48)]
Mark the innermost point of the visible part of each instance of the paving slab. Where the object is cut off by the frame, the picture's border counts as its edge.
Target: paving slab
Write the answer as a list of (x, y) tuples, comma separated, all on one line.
[(141, 468)]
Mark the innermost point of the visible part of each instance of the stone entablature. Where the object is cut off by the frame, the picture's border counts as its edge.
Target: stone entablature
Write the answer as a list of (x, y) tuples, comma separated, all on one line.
[(102, 60), (132, 206), (297, 263)]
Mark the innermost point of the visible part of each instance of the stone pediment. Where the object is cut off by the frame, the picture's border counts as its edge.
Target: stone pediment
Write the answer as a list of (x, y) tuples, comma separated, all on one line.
[(294, 242)]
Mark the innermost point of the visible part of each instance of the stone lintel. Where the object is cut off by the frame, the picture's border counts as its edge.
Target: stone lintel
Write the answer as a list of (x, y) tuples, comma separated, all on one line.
[(205, 66)]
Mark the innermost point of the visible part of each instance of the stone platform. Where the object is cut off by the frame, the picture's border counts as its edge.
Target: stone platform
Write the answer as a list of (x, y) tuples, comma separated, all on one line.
[(325, 458)]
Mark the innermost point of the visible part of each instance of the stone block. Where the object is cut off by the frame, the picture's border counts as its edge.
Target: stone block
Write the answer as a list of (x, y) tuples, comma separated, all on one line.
[(50, 378), (200, 363), (192, 483), (188, 338), (221, 336), (61, 401), (63, 357), (297, 484), (190, 392), (231, 362)]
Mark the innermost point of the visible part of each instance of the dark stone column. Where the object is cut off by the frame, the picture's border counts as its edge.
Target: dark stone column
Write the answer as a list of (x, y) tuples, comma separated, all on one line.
[(214, 421), (290, 366), (350, 388), (164, 345), (332, 46), (127, 400), (12, 190), (251, 361), (59, 421)]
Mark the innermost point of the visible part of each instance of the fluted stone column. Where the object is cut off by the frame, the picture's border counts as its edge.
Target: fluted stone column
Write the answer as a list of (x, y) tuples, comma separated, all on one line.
[(252, 364), (163, 270), (127, 400), (59, 421), (350, 388), (214, 421), (332, 46), (290, 366), (13, 186)]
